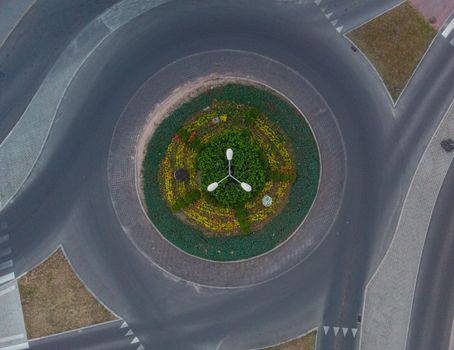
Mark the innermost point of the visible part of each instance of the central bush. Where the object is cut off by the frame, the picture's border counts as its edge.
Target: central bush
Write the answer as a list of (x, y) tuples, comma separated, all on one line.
[(247, 166)]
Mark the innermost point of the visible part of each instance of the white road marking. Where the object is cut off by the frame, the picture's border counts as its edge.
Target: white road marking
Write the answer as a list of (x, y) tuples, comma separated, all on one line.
[(345, 331), (334, 22), (129, 333), (448, 29), (326, 329), (12, 337), (324, 9), (5, 252), (6, 278), (21, 346), (452, 42), (339, 29), (354, 331), (328, 16), (140, 347), (135, 340), (7, 290), (5, 265), (317, 2), (4, 238), (123, 325), (336, 330)]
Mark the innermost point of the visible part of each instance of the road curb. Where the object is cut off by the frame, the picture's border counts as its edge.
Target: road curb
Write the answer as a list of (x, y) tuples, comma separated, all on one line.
[(389, 294)]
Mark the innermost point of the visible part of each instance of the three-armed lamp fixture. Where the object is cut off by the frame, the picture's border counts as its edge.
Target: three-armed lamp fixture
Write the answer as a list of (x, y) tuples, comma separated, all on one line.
[(245, 186)]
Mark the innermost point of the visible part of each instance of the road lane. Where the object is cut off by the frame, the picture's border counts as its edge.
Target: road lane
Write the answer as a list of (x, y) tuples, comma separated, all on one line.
[(433, 306)]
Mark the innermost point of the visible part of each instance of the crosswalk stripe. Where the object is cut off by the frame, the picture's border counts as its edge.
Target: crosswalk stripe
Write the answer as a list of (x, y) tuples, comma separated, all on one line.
[(5, 265), (326, 329), (135, 340), (448, 29), (7, 290), (354, 330), (339, 29), (345, 331), (7, 278), (336, 330), (123, 325), (21, 346), (5, 252), (129, 333), (328, 16)]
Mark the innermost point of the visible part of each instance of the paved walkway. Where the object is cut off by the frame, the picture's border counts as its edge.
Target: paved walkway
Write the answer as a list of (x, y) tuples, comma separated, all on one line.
[(437, 9), (12, 327), (389, 294), (11, 12), (21, 149)]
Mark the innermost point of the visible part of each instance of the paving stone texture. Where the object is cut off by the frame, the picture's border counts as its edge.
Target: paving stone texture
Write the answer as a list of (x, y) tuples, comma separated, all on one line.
[(389, 294)]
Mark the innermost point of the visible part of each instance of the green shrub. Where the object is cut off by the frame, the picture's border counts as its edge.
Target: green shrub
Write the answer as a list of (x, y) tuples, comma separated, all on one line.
[(241, 216), (183, 134), (186, 200), (276, 175), (247, 165), (251, 116)]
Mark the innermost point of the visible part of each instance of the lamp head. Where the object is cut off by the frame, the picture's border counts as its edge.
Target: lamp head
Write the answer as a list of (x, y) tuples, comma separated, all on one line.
[(211, 187), (246, 187), (229, 154)]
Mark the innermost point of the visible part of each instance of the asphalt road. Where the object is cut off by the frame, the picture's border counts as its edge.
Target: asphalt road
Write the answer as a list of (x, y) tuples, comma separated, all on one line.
[(433, 307), (33, 47), (67, 201)]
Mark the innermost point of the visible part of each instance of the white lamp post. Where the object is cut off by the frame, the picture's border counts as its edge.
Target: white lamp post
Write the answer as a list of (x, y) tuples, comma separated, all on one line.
[(245, 186)]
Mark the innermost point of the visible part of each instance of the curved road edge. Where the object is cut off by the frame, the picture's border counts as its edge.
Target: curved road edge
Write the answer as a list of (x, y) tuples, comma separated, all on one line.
[(20, 150), (389, 294)]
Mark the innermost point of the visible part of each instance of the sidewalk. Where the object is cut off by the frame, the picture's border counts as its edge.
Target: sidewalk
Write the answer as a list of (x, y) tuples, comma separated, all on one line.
[(12, 328), (11, 12), (439, 10), (389, 294)]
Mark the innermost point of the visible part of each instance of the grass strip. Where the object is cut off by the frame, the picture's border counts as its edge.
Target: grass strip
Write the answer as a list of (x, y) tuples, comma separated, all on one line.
[(306, 342), (395, 43), (54, 300)]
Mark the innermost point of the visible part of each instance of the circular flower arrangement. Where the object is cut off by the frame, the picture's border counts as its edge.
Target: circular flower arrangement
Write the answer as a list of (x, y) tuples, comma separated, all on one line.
[(250, 166)]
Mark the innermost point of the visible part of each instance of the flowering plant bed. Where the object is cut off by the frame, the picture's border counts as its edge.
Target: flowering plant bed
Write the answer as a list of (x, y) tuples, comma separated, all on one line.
[(274, 151)]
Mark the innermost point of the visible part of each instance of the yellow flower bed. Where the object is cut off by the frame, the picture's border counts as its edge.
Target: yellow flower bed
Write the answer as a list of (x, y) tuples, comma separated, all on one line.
[(205, 214), (211, 225), (166, 173)]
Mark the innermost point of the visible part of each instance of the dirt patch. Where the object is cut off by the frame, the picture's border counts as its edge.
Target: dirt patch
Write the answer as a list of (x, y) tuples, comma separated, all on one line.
[(54, 300), (306, 342), (395, 43)]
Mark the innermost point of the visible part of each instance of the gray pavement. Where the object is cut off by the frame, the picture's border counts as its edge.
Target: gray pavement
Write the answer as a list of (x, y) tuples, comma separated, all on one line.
[(20, 150), (68, 199), (12, 327), (115, 335), (433, 304), (389, 294), (11, 12)]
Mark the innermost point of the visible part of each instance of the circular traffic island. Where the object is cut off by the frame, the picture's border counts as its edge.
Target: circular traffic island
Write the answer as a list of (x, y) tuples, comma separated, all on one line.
[(231, 173)]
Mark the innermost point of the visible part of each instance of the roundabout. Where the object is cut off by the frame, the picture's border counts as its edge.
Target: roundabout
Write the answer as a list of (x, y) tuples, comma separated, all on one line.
[(88, 191), (221, 135), (263, 258)]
